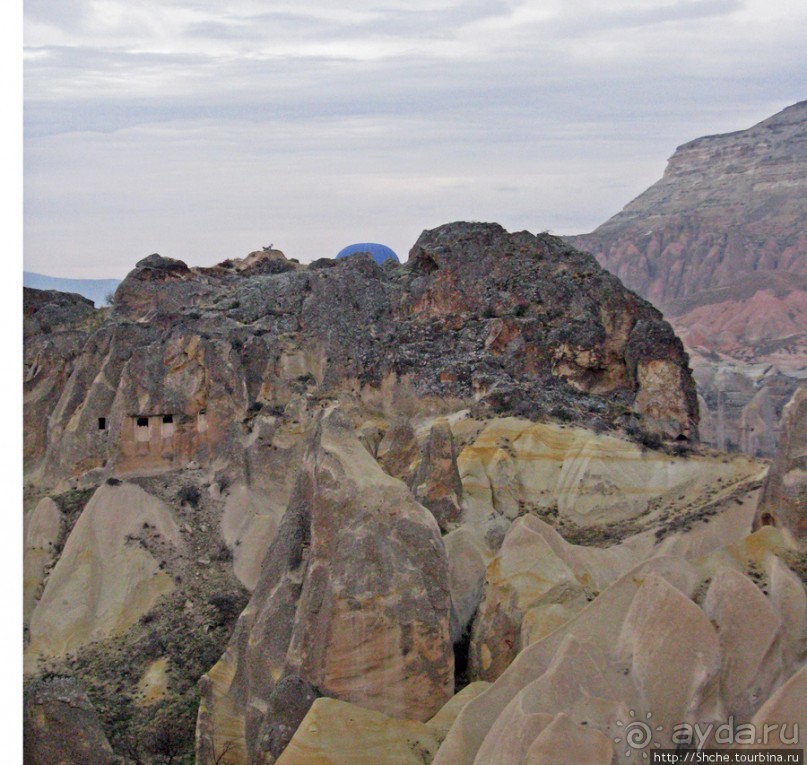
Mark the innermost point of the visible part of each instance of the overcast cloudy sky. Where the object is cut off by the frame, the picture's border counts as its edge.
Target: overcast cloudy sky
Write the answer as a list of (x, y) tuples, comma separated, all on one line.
[(202, 130)]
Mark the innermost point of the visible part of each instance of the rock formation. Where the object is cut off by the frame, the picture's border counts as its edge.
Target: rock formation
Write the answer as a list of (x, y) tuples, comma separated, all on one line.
[(55, 327), (374, 737), (352, 603), (719, 244), (341, 493), (784, 498), (670, 642), (109, 572), (61, 726), (728, 205), (436, 484), (195, 362)]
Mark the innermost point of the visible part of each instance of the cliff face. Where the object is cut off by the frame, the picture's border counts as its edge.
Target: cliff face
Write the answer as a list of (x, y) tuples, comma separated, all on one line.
[(727, 205), (269, 503), (191, 362), (784, 497), (719, 244)]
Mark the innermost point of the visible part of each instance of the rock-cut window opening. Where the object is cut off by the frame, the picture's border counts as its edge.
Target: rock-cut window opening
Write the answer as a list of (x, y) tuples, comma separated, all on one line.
[(168, 425), (142, 429), (102, 423)]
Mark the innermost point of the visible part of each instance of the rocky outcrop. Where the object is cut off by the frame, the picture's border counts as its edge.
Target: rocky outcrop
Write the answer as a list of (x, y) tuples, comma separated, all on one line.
[(579, 479), (786, 704), (374, 737), (352, 603), (479, 270), (43, 528), (55, 329), (759, 318), (436, 484), (741, 405), (784, 498), (337, 733), (110, 572), (60, 726), (728, 205), (719, 244), (538, 581), (398, 451), (668, 643), (193, 363), (406, 467), (508, 568), (248, 525)]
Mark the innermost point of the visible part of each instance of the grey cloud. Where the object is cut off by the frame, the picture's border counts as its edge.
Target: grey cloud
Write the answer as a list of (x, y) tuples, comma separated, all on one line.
[(217, 30), (494, 103), (437, 22), (385, 22), (205, 156), (65, 14), (270, 25), (308, 24), (595, 19), (87, 57)]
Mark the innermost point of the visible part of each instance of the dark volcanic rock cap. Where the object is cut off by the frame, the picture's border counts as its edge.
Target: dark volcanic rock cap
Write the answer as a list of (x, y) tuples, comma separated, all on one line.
[(498, 322)]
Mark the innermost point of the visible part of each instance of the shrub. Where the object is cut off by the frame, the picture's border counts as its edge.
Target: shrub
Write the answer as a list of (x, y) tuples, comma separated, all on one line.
[(562, 413), (679, 450), (650, 440), (228, 606), (189, 495)]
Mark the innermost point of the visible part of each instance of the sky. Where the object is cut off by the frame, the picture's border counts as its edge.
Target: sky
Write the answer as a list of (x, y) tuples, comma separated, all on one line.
[(205, 130)]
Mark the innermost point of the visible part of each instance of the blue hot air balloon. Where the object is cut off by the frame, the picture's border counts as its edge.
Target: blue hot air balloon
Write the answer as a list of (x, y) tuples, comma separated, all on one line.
[(380, 252)]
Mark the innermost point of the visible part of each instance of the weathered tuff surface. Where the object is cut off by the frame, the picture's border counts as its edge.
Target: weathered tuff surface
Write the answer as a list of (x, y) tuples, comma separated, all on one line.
[(372, 737), (784, 497), (352, 603), (61, 726), (311, 431), (511, 322), (109, 573), (719, 244), (728, 205), (568, 484), (677, 639), (741, 405), (55, 327), (600, 489)]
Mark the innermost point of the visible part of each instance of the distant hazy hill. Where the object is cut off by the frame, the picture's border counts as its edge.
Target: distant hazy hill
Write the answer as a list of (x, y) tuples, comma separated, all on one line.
[(720, 244), (94, 289), (728, 205)]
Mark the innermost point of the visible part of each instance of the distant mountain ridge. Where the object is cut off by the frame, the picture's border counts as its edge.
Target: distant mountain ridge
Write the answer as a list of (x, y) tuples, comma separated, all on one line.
[(727, 205), (96, 290), (719, 243)]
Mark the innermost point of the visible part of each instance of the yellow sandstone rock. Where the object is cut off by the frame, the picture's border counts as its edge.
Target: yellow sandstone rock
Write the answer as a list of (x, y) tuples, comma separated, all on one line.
[(106, 577)]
